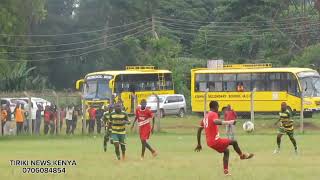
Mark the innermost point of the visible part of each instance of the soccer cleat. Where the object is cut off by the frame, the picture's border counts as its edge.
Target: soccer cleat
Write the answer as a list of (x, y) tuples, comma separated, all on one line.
[(154, 154), (276, 151), (141, 158), (246, 156), (226, 172)]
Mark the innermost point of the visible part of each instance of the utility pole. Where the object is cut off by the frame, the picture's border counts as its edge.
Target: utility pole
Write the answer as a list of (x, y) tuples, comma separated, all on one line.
[(153, 26)]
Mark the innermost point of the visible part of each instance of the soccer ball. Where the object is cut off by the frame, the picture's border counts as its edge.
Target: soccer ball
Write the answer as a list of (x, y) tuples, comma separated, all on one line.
[(248, 126)]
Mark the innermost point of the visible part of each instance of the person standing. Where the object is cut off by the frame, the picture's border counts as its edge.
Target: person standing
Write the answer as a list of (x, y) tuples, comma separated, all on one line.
[(92, 119), (19, 116), (69, 113), (210, 124), (230, 115), (144, 115), (118, 121), (99, 115), (62, 116), (286, 127), (53, 118), (75, 115), (47, 115), (33, 116), (3, 119), (38, 119), (26, 117)]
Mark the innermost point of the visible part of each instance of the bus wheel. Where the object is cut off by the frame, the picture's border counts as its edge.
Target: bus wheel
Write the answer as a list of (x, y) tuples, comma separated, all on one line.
[(181, 113), (161, 113)]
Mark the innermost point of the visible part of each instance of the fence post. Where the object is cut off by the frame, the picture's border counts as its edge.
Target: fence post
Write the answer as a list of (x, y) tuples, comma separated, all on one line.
[(205, 102), (301, 114), (57, 123), (29, 123), (252, 105)]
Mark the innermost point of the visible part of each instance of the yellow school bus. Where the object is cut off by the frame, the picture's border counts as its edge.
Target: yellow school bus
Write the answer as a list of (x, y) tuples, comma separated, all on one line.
[(233, 84), (99, 88)]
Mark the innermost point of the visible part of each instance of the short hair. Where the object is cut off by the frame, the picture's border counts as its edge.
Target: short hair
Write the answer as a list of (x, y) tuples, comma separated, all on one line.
[(143, 101), (213, 104)]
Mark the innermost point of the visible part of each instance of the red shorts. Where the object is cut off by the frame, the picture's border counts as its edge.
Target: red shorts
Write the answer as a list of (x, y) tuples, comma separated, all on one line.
[(220, 144), (145, 131)]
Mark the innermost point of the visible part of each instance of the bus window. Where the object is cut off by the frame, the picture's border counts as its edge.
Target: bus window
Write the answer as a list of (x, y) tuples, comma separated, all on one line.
[(274, 81), (229, 82), (245, 80), (292, 85), (259, 81)]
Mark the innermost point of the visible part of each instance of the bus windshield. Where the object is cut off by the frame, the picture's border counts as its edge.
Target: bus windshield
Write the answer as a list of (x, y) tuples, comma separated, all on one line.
[(97, 89), (310, 83)]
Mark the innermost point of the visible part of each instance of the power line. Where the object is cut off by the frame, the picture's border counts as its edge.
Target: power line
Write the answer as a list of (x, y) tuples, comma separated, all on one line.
[(74, 55), (75, 33), (234, 27), (73, 43), (229, 22), (67, 50)]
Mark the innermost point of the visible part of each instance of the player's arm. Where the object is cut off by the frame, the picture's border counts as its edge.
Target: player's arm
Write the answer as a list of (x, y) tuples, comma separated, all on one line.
[(199, 147), (127, 119), (221, 122), (134, 121)]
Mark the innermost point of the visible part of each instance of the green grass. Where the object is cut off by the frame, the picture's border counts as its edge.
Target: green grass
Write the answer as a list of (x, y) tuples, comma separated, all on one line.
[(176, 159)]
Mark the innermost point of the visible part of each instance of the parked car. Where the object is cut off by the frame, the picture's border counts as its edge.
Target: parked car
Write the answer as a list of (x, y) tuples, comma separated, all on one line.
[(171, 104)]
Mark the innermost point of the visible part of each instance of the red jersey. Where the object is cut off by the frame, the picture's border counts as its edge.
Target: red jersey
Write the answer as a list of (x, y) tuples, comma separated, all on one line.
[(92, 113), (144, 116), (211, 129), (230, 115)]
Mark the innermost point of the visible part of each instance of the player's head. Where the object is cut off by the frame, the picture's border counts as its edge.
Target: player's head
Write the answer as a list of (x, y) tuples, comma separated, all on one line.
[(229, 107), (143, 104), (283, 106), (214, 106), (117, 107)]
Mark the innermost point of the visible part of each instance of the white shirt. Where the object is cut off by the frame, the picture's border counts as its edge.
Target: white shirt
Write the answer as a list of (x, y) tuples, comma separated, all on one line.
[(69, 113)]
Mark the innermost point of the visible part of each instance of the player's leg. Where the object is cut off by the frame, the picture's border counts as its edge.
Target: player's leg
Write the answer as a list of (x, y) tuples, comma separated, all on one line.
[(122, 138), (236, 147), (116, 144), (143, 148), (279, 136), (293, 140), (226, 162), (232, 129), (105, 140)]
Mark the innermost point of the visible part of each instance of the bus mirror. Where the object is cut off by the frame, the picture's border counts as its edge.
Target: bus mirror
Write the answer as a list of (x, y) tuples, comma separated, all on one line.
[(79, 83)]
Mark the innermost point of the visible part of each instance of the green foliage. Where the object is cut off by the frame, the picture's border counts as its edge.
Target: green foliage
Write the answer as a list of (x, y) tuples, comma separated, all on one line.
[(309, 57)]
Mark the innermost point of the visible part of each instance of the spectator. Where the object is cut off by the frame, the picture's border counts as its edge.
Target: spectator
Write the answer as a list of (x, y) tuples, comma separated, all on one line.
[(19, 116), (99, 115), (7, 128), (69, 113), (26, 117), (92, 117), (240, 87), (33, 116), (4, 116), (62, 116), (75, 115), (47, 114), (53, 119), (38, 119), (230, 115)]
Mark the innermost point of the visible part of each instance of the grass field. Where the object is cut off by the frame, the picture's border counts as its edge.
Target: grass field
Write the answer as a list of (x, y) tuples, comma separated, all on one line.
[(176, 159)]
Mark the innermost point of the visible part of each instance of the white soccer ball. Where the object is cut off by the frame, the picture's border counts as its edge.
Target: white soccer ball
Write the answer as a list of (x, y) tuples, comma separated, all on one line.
[(248, 126)]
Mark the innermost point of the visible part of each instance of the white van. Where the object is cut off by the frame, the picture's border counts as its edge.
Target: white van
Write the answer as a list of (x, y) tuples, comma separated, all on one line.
[(171, 104)]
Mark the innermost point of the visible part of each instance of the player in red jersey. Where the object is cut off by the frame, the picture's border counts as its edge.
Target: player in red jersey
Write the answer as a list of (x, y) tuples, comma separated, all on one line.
[(144, 115), (210, 124)]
